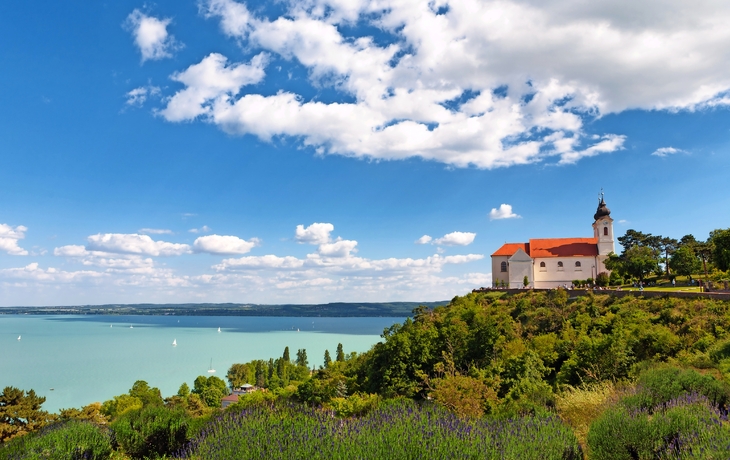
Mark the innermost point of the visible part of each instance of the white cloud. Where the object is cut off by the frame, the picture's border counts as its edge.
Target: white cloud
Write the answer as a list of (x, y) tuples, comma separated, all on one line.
[(209, 83), (504, 212), (665, 151), (317, 233), (155, 231), (339, 248), (32, 272), (260, 262), (9, 237), (222, 244), (425, 239), (203, 229), (132, 243), (151, 36), (138, 96), (485, 83), (456, 239)]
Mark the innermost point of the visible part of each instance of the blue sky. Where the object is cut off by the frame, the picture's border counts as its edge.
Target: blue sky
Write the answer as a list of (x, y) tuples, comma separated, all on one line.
[(224, 151)]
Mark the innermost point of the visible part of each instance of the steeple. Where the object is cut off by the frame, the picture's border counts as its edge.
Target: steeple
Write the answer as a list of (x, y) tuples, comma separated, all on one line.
[(603, 227), (602, 210)]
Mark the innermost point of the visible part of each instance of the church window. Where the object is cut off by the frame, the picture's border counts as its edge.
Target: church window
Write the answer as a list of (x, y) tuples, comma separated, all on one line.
[(605, 231), (560, 266), (503, 266), (542, 267), (577, 266)]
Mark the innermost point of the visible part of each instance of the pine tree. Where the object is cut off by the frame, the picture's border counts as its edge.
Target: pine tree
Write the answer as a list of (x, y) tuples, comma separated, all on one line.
[(327, 359), (286, 355), (340, 353), (20, 413)]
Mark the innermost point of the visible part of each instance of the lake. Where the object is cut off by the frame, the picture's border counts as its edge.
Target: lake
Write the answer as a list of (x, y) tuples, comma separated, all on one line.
[(90, 358)]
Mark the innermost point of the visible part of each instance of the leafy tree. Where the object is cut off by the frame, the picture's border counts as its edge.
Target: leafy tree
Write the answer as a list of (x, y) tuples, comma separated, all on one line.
[(211, 389), (150, 396), (184, 390), (340, 353), (239, 374), (720, 240), (525, 281), (20, 413), (602, 279), (91, 413), (302, 358), (286, 357), (120, 404), (327, 358), (667, 246), (685, 261)]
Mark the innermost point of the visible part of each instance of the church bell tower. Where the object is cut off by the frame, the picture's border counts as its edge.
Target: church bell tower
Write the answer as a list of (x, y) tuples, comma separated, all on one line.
[(603, 228)]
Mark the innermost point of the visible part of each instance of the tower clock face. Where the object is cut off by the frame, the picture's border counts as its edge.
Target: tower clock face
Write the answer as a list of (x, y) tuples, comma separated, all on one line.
[(605, 222)]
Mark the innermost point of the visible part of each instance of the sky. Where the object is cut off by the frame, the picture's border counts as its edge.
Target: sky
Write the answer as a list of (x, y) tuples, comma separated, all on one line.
[(317, 151)]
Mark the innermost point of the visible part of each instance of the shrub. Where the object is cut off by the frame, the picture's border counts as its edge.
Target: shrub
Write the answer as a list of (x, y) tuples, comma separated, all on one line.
[(683, 428), (658, 386), (151, 431), (72, 439)]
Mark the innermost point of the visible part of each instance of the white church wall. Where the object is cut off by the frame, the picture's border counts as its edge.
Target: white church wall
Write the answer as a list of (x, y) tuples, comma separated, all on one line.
[(497, 274), (552, 276)]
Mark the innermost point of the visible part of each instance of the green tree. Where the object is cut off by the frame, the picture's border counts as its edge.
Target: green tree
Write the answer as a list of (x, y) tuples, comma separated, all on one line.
[(286, 357), (340, 353), (210, 389), (184, 390), (525, 281), (327, 358), (302, 358), (602, 279), (239, 374), (150, 396), (638, 261), (720, 240), (685, 261), (20, 413)]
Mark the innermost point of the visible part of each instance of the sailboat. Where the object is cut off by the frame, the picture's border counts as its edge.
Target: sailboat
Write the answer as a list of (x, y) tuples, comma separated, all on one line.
[(174, 342), (219, 329), (18, 337), (131, 327), (211, 370)]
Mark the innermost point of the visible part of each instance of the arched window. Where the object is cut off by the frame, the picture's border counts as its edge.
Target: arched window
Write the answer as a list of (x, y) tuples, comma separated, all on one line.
[(577, 265), (543, 267), (503, 266), (560, 266), (605, 231)]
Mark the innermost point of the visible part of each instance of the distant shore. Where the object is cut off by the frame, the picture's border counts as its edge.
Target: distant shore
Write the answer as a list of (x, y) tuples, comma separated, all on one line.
[(338, 309)]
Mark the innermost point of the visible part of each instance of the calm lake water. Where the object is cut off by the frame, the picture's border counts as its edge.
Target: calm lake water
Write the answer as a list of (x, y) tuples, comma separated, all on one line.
[(93, 358)]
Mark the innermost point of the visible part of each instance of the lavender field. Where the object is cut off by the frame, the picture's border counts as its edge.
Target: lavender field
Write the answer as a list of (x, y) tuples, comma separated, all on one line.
[(399, 430)]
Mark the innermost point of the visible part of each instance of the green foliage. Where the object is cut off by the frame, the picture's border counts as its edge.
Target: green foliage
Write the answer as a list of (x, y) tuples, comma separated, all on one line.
[(327, 358), (602, 279), (184, 390), (340, 357), (70, 439), (682, 429), (140, 395), (210, 389), (720, 240), (302, 358), (358, 404), (20, 413), (685, 262), (151, 432), (660, 385)]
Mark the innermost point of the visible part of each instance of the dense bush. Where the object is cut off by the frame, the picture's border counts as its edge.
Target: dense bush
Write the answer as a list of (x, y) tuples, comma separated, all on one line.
[(658, 386), (686, 427), (68, 440), (152, 431), (397, 430)]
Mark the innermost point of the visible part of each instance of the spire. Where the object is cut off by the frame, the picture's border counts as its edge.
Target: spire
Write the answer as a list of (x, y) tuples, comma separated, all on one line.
[(602, 210)]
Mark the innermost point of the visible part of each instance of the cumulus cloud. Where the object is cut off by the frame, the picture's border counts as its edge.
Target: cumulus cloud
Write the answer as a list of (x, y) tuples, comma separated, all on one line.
[(456, 239), (209, 83), (666, 151), (151, 36), (483, 83), (224, 244), (425, 239), (317, 233), (133, 243), (9, 237), (33, 272), (504, 212)]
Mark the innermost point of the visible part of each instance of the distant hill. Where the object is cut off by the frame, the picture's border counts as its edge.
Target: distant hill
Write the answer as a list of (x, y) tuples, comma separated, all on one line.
[(340, 309)]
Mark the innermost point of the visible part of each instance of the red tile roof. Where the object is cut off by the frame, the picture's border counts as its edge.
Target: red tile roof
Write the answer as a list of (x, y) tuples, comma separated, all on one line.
[(563, 247), (508, 249)]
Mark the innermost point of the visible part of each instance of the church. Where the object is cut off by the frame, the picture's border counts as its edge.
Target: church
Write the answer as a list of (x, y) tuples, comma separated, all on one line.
[(553, 262)]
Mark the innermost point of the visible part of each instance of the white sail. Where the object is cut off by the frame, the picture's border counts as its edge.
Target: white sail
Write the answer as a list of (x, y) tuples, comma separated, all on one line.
[(219, 329), (211, 370), (174, 342), (18, 337)]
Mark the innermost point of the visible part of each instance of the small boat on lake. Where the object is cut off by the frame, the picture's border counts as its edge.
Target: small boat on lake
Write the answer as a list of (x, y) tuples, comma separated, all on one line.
[(18, 337), (174, 342), (219, 329), (211, 370)]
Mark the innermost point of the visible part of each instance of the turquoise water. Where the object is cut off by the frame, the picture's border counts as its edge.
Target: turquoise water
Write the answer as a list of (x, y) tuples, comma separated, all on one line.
[(93, 358)]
